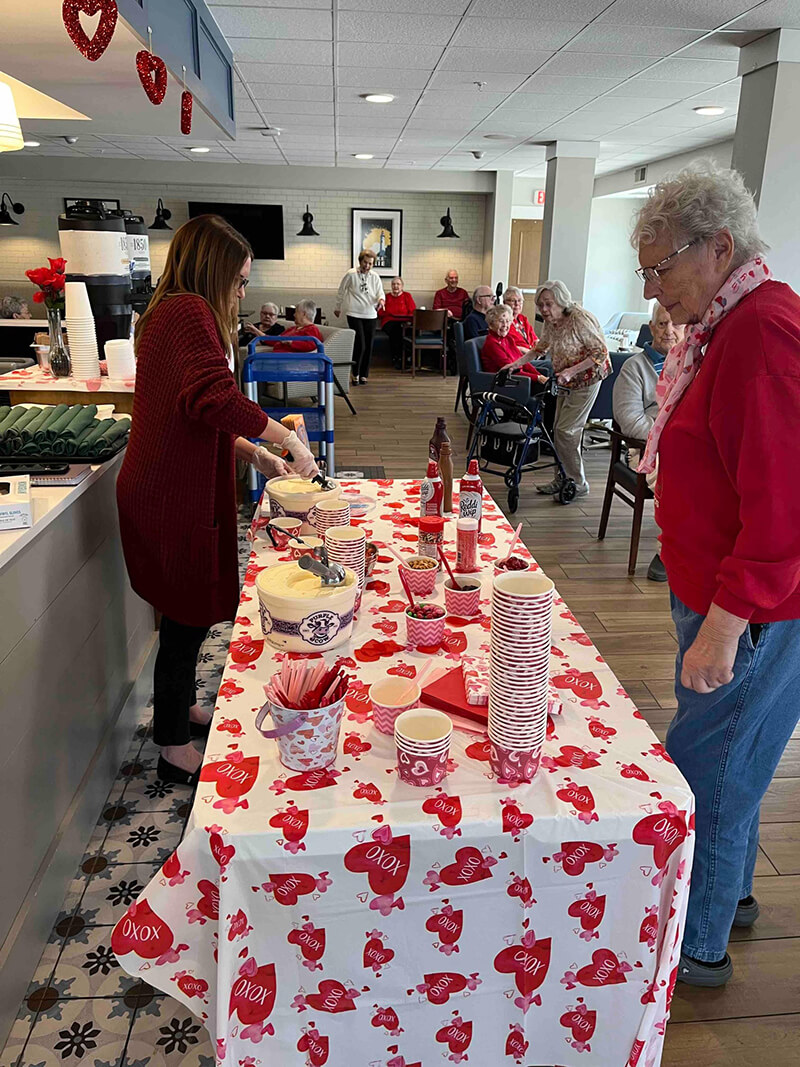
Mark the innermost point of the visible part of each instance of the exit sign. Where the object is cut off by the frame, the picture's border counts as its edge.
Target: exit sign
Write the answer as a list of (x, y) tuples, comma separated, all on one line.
[(538, 197)]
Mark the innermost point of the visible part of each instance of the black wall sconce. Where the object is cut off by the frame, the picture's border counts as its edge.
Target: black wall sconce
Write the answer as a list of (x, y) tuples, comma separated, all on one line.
[(447, 226), (5, 215), (307, 230), (163, 215)]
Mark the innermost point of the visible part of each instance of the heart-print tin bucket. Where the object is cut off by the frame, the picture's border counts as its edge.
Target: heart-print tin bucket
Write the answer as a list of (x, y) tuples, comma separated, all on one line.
[(307, 740)]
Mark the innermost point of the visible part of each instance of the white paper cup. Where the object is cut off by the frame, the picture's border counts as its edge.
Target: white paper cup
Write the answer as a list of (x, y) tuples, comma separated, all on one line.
[(76, 301), (422, 728)]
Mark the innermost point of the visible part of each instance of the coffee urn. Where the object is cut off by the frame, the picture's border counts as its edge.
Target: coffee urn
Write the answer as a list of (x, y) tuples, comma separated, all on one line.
[(95, 246)]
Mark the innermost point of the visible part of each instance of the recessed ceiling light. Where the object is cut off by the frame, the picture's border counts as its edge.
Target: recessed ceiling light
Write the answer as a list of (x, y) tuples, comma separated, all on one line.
[(378, 98), (199, 149), (709, 109), (362, 155), (32, 144)]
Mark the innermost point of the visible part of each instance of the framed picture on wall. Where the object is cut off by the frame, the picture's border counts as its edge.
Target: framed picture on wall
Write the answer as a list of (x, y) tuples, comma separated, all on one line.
[(378, 230)]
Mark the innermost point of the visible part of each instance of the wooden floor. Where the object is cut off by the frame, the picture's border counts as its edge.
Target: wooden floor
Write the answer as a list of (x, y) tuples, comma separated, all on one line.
[(756, 1018)]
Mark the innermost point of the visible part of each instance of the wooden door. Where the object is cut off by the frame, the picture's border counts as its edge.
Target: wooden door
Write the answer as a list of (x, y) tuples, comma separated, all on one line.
[(526, 245)]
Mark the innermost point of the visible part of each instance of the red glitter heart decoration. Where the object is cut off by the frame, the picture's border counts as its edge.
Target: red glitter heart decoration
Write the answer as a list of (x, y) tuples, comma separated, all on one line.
[(70, 13), (186, 111), (153, 75)]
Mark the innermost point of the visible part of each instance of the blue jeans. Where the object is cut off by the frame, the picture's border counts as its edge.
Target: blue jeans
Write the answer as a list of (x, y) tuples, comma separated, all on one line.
[(728, 744)]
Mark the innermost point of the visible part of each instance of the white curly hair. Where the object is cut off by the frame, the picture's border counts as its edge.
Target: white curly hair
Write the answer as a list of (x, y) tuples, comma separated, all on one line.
[(696, 204), (497, 311)]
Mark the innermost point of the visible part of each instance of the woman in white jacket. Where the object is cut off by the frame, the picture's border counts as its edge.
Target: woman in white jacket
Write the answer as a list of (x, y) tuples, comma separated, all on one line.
[(361, 296)]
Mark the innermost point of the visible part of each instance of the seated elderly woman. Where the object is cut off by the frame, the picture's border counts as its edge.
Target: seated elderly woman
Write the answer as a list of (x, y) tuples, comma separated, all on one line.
[(304, 314), (499, 351), (13, 307), (398, 310), (521, 332), (728, 454)]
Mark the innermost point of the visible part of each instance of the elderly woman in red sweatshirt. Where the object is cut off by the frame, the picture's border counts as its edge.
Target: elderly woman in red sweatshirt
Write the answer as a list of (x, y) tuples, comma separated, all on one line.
[(396, 314), (728, 455), (499, 349)]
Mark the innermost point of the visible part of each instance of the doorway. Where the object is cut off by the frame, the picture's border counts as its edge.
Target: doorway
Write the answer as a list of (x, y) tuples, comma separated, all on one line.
[(526, 246)]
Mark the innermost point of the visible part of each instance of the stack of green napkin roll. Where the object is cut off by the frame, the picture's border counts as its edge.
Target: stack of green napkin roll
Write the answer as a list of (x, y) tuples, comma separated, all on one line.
[(59, 430)]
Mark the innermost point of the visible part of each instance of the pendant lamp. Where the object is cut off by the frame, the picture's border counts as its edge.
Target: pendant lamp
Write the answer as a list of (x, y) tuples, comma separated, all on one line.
[(163, 214), (447, 226), (307, 230), (10, 133)]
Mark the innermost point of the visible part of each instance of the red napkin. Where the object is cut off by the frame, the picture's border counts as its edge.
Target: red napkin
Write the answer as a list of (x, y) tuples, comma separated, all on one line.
[(448, 694)]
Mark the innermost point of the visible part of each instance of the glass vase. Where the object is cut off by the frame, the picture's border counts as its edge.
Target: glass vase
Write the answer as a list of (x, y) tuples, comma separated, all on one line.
[(59, 357)]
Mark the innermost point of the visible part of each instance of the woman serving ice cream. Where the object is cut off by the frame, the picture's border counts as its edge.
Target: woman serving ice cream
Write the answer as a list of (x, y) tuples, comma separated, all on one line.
[(176, 490)]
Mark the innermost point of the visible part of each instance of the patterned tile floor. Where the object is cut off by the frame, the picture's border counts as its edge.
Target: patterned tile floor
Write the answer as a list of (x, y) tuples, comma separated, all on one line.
[(80, 1006)]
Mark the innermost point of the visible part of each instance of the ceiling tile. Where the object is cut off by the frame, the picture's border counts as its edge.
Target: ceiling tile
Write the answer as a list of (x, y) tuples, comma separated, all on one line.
[(282, 91), (515, 34), (465, 80), (298, 53), (392, 79), (691, 14), (631, 40), (571, 10), (368, 28), (546, 83), (600, 64), (561, 101), (423, 57), (317, 4), (277, 24), (772, 15), (680, 70), (477, 60), (299, 107), (266, 73), (721, 46), (644, 86), (409, 7), (464, 98)]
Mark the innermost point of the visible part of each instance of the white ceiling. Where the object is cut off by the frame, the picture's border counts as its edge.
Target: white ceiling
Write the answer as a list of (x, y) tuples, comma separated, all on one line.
[(626, 73)]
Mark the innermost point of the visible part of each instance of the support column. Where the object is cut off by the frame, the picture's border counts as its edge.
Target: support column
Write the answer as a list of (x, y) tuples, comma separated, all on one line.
[(567, 212), (765, 147), (497, 230)]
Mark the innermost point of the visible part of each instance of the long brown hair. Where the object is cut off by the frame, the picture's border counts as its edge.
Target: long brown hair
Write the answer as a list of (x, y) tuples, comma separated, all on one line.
[(205, 257)]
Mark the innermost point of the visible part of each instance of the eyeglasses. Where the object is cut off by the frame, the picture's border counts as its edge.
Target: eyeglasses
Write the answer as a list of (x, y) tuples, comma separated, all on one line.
[(653, 274), (242, 283)]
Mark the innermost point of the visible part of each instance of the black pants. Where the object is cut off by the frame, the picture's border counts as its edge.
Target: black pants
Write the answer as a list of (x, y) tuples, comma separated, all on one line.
[(394, 331), (362, 348), (174, 680)]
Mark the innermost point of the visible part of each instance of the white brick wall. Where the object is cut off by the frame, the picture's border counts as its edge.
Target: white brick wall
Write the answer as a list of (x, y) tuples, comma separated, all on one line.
[(316, 263)]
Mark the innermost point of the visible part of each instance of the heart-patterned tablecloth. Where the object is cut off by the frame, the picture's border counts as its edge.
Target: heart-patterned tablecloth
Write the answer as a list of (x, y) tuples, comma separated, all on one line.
[(341, 917)]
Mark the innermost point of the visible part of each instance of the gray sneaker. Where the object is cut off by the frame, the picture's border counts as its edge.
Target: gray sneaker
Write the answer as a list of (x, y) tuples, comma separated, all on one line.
[(693, 972), (548, 490), (747, 912)]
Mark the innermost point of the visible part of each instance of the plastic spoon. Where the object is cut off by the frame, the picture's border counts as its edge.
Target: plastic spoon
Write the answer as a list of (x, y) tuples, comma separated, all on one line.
[(511, 547)]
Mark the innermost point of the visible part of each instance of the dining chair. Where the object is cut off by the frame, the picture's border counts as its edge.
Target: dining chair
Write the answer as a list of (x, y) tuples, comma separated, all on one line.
[(429, 334), (630, 486)]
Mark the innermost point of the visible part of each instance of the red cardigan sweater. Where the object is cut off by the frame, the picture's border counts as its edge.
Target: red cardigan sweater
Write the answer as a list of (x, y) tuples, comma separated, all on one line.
[(729, 457), (522, 333), (301, 346), (176, 492), (398, 308), (498, 352)]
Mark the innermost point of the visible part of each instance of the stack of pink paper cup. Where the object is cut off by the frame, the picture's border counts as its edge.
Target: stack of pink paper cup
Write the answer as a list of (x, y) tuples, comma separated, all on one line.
[(519, 671), (329, 513), (348, 545), (422, 737)]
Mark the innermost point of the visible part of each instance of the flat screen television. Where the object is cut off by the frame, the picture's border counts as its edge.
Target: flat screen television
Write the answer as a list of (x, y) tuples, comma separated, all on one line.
[(260, 224)]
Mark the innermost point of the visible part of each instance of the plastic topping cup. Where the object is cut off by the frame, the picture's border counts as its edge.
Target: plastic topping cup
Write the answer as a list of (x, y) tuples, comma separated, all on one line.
[(420, 574), (514, 565), (424, 625), (422, 738), (463, 599), (390, 697)]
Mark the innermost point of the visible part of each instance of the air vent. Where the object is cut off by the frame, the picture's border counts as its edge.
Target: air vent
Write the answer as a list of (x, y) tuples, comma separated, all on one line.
[(639, 174)]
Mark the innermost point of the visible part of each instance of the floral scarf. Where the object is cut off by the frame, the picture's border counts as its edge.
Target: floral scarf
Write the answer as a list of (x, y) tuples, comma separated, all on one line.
[(684, 359)]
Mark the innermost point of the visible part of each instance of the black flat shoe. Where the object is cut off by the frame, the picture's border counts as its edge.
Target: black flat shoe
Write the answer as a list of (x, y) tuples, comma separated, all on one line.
[(199, 729), (168, 772)]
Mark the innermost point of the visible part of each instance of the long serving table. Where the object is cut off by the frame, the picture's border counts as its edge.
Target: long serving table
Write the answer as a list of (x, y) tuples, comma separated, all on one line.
[(341, 917), (33, 385)]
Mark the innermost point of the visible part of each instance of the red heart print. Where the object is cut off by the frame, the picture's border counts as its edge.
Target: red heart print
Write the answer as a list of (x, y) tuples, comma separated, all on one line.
[(664, 831), (469, 866), (192, 987), (354, 745), (648, 931), (230, 689), (152, 73), (293, 822), (393, 606), (631, 770), (316, 1047), (332, 997), (522, 888), (92, 48), (253, 994), (358, 700), (572, 756), (457, 1035), (599, 729), (385, 864), (442, 985), (316, 779), (516, 1045), (580, 1022), (232, 779), (528, 963), (378, 586), (246, 650), (142, 932), (309, 940), (447, 925), (579, 796), (386, 1017), (208, 904), (576, 854), (368, 791), (605, 969), (221, 852), (590, 912), (377, 955), (447, 809), (288, 887), (386, 626), (514, 820), (453, 642), (583, 684), (403, 670), (479, 750)]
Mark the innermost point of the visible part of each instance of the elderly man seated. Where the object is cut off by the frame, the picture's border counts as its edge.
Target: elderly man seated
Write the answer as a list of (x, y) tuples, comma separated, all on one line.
[(475, 322), (12, 307), (634, 398), (268, 325), (451, 298)]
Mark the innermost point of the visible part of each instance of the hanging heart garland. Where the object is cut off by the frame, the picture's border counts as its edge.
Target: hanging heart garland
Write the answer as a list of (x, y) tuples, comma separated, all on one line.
[(93, 48), (153, 75), (186, 111)]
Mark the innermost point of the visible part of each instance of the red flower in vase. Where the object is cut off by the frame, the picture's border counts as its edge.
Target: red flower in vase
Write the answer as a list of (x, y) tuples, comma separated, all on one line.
[(51, 281)]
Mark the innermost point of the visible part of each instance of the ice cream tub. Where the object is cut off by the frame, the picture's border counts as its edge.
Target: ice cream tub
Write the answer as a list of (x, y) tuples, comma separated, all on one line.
[(299, 613), (296, 497)]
